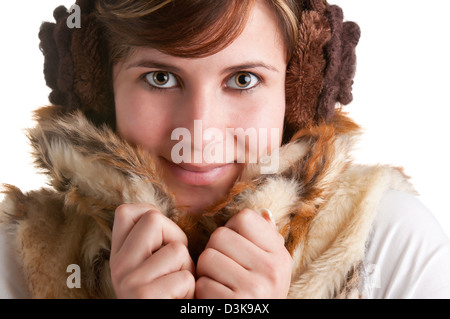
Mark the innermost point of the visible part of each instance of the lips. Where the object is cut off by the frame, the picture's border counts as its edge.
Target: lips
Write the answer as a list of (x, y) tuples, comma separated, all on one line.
[(197, 175)]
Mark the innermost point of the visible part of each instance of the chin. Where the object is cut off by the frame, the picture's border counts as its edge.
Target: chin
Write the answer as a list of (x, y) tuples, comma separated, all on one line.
[(196, 187)]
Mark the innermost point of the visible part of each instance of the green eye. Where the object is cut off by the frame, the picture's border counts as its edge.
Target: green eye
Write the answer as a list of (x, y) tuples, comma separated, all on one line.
[(162, 79), (243, 81)]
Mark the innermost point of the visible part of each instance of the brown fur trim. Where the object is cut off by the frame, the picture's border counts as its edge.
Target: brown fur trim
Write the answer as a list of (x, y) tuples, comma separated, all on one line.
[(66, 147), (317, 172), (350, 289), (18, 201), (102, 146), (48, 241)]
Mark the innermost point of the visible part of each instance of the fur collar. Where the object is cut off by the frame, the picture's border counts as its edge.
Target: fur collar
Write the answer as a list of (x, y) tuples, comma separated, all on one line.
[(94, 171), (95, 166)]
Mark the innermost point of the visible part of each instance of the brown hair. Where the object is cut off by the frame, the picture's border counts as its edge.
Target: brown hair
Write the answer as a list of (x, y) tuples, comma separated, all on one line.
[(184, 28)]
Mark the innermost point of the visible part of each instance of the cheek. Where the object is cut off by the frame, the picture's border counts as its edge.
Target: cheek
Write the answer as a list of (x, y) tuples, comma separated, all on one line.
[(263, 119), (139, 121), (268, 114), (278, 113), (272, 122)]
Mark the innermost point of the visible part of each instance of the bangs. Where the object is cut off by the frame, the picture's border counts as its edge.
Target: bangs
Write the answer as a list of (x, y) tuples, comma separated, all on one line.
[(184, 28)]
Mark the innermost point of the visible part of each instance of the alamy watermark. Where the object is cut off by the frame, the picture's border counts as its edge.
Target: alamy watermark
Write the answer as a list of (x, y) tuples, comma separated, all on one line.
[(74, 19), (371, 277), (251, 145), (74, 279)]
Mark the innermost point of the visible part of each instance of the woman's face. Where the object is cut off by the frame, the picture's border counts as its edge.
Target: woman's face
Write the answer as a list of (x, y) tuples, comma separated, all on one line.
[(186, 111)]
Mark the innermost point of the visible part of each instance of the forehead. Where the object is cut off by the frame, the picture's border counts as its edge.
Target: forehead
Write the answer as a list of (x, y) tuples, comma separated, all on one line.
[(261, 30), (260, 41)]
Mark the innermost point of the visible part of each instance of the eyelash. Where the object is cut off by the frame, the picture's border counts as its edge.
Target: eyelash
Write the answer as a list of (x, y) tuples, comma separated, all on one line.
[(240, 91)]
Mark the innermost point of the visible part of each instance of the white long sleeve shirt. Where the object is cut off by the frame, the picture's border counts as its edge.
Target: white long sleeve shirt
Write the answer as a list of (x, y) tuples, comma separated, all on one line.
[(408, 253)]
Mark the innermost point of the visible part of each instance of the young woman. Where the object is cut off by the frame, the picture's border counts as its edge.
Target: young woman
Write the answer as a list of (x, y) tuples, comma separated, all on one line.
[(195, 150)]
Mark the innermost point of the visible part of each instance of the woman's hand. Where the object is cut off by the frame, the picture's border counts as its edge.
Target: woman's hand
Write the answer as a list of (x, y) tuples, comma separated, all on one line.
[(149, 255), (245, 259)]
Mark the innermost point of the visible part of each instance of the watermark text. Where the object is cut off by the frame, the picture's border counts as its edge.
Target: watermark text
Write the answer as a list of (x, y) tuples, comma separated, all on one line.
[(238, 145)]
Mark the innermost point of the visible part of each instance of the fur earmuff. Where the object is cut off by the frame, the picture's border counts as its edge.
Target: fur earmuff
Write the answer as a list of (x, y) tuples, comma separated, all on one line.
[(320, 73), (76, 65)]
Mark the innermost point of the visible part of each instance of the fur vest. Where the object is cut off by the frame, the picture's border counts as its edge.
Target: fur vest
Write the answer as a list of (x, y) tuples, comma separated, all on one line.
[(323, 205)]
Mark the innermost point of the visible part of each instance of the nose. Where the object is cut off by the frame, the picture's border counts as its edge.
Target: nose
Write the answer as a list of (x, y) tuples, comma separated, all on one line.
[(202, 103), (203, 114)]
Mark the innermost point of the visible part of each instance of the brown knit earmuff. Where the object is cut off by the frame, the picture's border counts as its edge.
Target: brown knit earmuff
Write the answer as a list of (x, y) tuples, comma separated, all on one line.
[(76, 65), (320, 73)]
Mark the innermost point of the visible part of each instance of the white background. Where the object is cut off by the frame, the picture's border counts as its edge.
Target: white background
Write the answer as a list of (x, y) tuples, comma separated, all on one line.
[(401, 91)]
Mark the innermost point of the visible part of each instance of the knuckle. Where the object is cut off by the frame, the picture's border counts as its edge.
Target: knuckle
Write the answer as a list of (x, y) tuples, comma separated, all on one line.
[(152, 216), (125, 209), (200, 283), (243, 219), (205, 258), (201, 287), (253, 289), (126, 285), (152, 220), (219, 235), (122, 211), (272, 271), (183, 286), (178, 249), (275, 277), (209, 253), (246, 215), (187, 277), (182, 237), (257, 289)]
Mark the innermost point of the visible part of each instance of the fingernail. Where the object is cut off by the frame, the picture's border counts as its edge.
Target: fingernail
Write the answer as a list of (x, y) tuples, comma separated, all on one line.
[(267, 214)]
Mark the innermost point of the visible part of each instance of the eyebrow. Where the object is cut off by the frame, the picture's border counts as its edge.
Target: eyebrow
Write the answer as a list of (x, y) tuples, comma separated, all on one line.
[(251, 65), (154, 65), (170, 68)]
